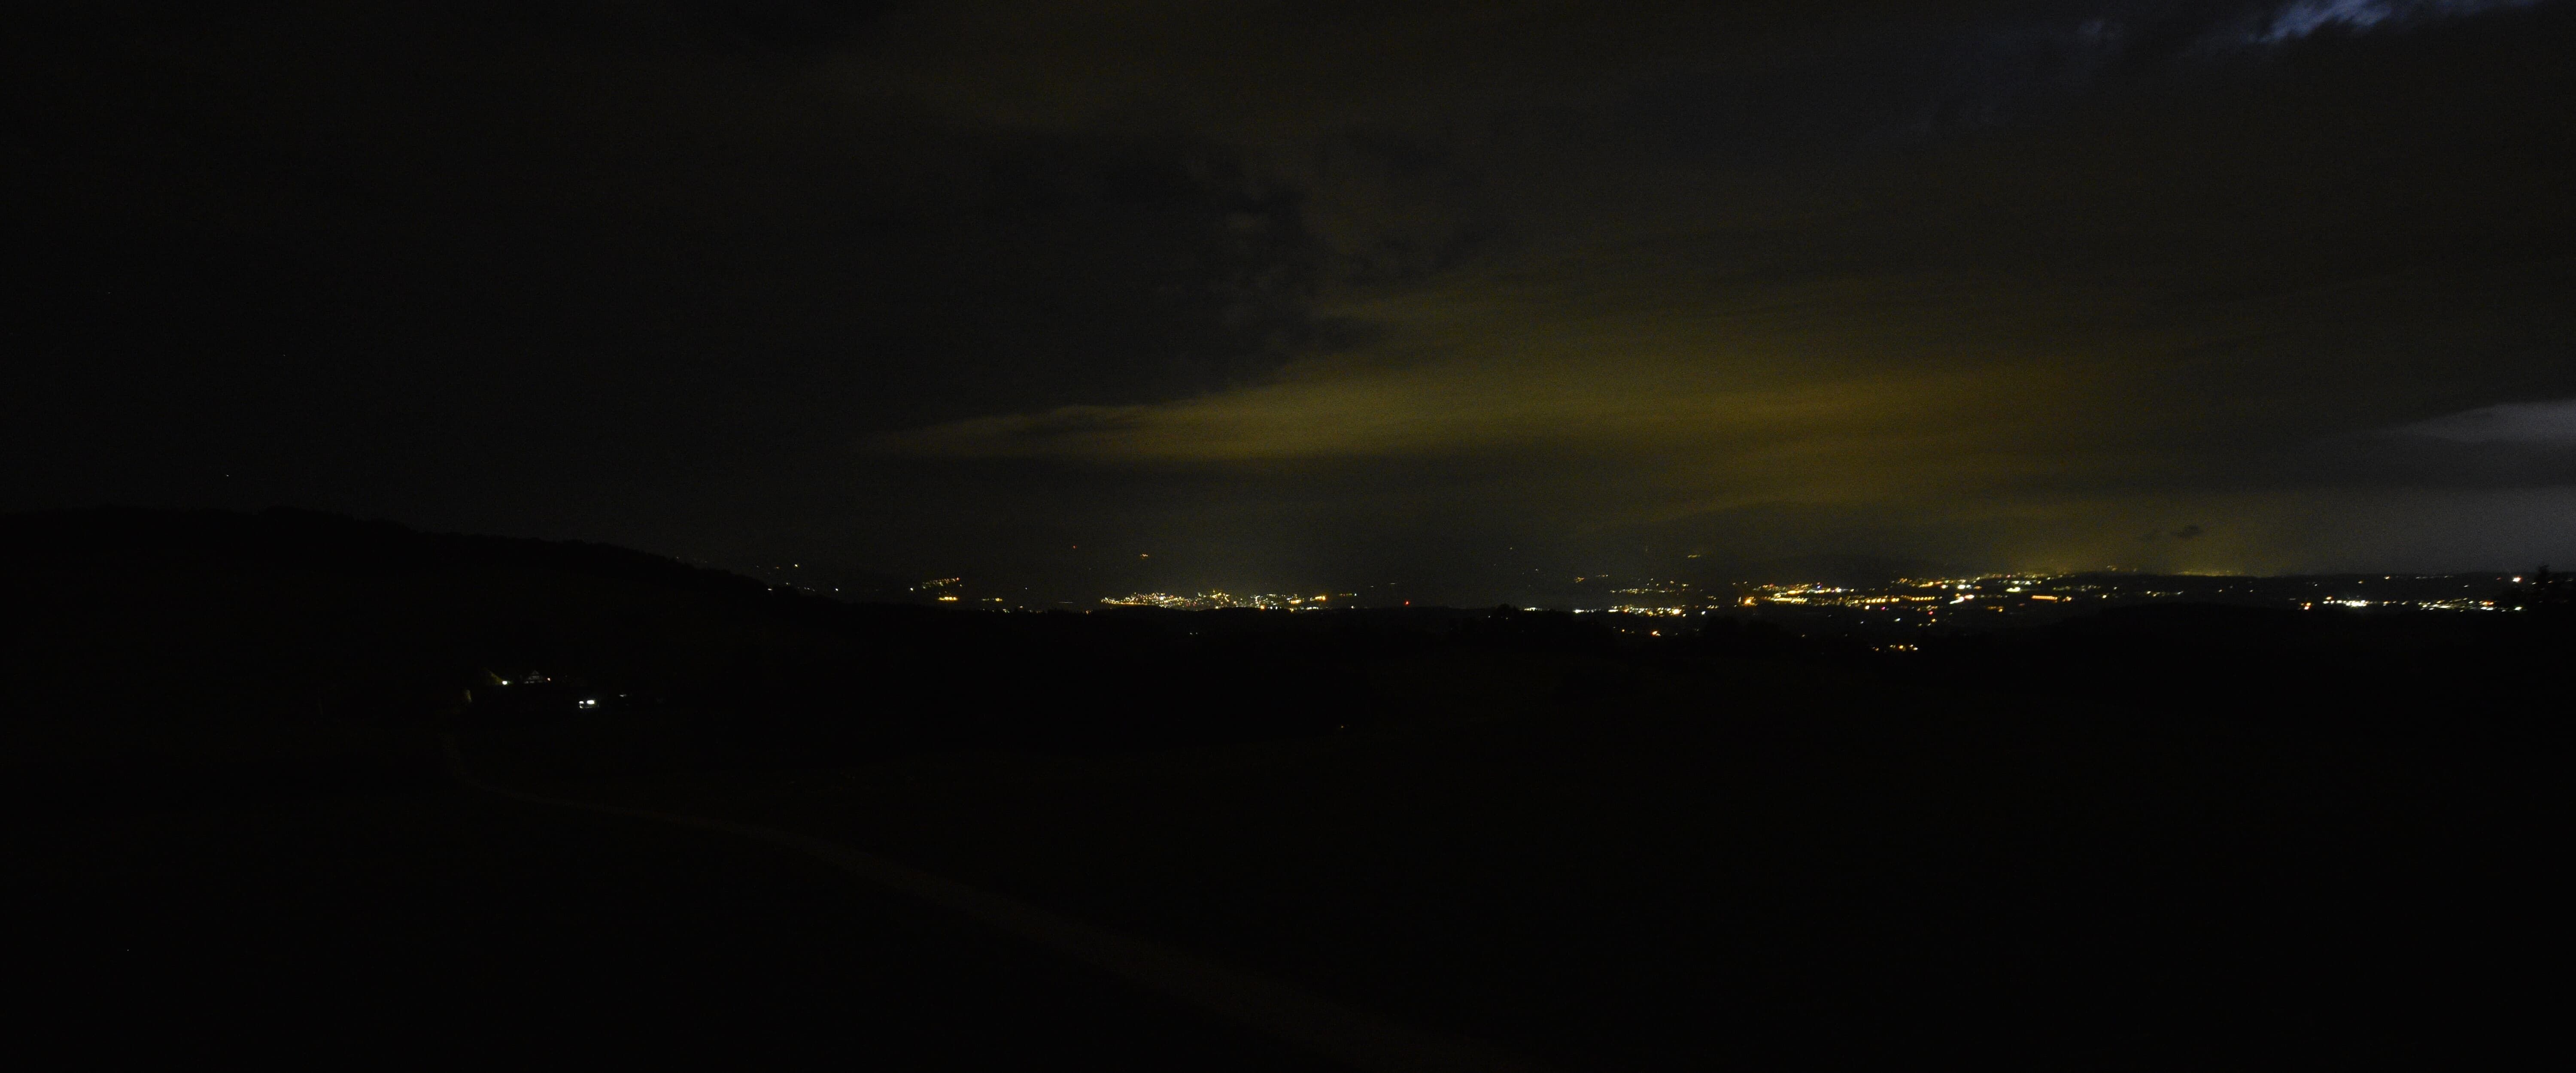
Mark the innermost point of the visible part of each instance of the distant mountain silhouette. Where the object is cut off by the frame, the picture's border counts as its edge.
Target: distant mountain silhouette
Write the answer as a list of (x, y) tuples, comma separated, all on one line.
[(307, 646), (1840, 569), (166, 640), (190, 636)]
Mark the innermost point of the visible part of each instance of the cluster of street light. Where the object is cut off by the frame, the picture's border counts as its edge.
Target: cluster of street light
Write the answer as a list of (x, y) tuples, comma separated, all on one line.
[(1211, 601)]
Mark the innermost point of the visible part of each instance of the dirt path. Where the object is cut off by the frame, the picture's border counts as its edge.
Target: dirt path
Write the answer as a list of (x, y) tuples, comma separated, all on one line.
[(1361, 1040)]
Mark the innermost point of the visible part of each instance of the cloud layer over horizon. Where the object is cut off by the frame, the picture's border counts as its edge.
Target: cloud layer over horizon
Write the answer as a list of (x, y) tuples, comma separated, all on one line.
[(1292, 292)]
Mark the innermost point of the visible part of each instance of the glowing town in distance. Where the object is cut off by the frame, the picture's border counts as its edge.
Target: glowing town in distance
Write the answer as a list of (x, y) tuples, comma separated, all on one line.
[(1958, 600), (1210, 601), (1930, 600), (1966, 601)]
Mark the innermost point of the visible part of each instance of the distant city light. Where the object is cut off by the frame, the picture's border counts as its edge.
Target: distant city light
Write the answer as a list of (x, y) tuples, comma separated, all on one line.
[(1210, 601), (2007, 594)]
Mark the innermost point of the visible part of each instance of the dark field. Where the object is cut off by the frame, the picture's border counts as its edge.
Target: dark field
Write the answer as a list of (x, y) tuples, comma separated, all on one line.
[(458, 929), (1663, 880), (2191, 837)]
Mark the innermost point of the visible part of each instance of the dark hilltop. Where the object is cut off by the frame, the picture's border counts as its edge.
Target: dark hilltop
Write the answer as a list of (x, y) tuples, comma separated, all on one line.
[(1592, 841)]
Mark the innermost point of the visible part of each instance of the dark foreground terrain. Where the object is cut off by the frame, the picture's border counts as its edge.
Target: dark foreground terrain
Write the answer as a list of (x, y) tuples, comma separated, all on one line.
[(2175, 836)]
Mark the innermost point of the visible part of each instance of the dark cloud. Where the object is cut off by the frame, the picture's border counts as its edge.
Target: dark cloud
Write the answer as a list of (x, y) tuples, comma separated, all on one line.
[(1292, 286), (802, 28), (2513, 445), (547, 245)]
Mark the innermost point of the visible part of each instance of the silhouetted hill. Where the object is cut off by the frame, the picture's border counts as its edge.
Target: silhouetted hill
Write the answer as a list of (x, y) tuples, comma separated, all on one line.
[(1839, 569), (206, 640), (288, 647), (193, 636), (1655, 841), (114, 611)]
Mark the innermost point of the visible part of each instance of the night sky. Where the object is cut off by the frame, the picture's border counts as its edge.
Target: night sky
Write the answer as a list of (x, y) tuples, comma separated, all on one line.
[(1079, 298)]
